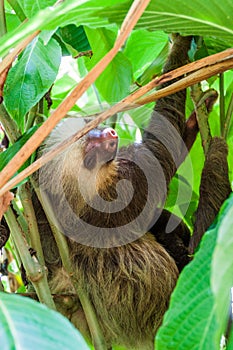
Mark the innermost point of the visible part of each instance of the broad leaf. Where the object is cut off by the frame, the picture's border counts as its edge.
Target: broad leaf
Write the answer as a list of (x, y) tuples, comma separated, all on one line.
[(208, 18), (141, 56), (69, 11), (31, 77), (114, 82), (26, 324), (30, 7), (222, 267), (190, 322)]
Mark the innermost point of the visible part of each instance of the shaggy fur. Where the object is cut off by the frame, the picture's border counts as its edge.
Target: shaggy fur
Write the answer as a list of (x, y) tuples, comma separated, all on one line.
[(128, 273)]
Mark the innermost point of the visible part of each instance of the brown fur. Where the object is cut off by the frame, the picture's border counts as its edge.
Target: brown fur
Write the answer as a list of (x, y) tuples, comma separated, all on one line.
[(214, 189), (127, 274)]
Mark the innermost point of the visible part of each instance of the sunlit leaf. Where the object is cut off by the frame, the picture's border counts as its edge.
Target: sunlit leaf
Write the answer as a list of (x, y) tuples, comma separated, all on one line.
[(222, 267), (26, 324), (190, 322), (36, 71)]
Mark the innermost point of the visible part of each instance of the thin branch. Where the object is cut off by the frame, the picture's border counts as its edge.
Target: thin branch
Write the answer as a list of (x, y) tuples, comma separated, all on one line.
[(29, 214), (9, 125), (201, 115), (221, 102), (131, 19), (228, 118), (131, 101), (35, 272), (2, 19), (96, 332)]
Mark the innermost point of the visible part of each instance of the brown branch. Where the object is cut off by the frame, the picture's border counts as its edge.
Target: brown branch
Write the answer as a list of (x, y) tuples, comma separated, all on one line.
[(194, 78), (31, 145), (131, 101)]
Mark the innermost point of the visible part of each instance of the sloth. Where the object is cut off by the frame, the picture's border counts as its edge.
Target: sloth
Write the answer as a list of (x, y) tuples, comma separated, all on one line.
[(109, 202)]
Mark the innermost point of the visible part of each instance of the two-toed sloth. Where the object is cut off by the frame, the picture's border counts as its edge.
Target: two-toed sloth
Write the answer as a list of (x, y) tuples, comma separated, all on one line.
[(108, 203)]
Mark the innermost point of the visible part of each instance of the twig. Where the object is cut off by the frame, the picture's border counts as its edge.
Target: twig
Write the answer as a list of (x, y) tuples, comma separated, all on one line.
[(131, 19), (2, 19), (29, 214), (35, 272), (9, 125), (131, 101), (31, 145), (201, 115), (228, 118), (221, 102), (97, 336)]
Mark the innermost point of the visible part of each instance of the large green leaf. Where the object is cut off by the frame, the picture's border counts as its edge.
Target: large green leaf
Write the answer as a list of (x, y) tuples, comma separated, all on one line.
[(30, 7), (26, 324), (31, 77), (190, 322), (114, 82), (222, 267), (208, 18), (69, 11), (141, 56)]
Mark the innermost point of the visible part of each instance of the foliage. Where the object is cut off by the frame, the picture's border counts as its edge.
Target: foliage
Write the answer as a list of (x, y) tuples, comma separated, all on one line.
[(25, 322), (198, 312)]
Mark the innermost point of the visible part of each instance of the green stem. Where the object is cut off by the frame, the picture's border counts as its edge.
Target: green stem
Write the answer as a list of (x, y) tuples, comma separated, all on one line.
[(18, 9), (96, 333), (221, 102), (35, 272), (202, 116), (2, 19), (29, 213), (228, 118), (31, 117), (9, 125)]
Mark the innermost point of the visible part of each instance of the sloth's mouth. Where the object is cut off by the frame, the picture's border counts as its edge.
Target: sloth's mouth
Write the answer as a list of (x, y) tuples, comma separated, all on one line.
[(101, 147)]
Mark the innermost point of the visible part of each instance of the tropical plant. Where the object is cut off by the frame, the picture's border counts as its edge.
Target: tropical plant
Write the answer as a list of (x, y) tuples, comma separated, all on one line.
[(48, 51)]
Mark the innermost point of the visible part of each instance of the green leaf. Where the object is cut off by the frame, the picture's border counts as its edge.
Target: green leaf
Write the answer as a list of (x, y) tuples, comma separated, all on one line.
[(222, 267), (208, 18), (12, 21), (30, 7), (10, 152), (114, 83), (31, 77), (26, 324), (155, 68), (190, 323), (69, 11), (74, 38), (141, 56)]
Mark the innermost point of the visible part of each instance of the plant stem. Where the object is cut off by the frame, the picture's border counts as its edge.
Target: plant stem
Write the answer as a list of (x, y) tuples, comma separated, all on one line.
[(31, 117), (9, 125), (126, 103), (221, 102), (29, 213), (228, 118), (202, 116), (35, 272), (96, 332), (2, 19)]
